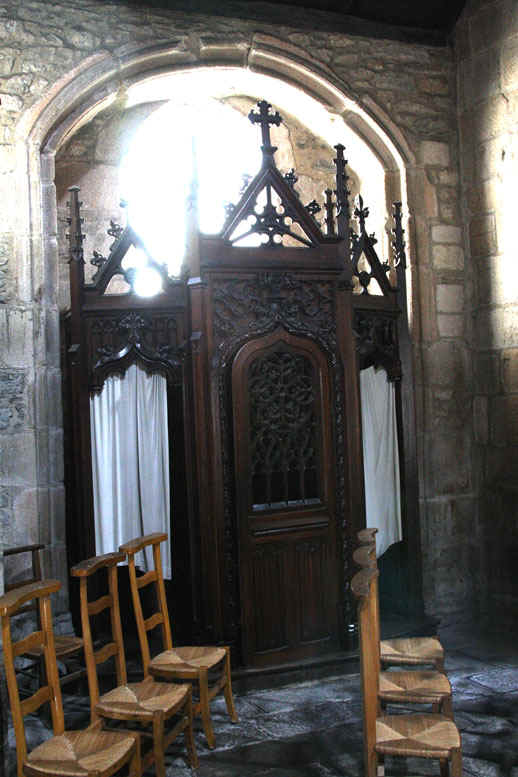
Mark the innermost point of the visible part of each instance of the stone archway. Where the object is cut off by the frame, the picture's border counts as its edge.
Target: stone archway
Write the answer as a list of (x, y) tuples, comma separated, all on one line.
[(72, 102)]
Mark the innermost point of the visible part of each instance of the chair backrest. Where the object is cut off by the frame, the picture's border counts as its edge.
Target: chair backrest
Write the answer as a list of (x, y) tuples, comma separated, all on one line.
[(362, 586), (36, 571), (365, 557), (153, 577), (89, 608), (10, 605)]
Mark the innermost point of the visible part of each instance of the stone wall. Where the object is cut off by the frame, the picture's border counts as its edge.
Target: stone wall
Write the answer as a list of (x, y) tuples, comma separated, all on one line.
[(487, 55), (407, 90)]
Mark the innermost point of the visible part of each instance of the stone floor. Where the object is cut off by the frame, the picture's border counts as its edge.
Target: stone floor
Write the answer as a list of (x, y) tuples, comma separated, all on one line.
[(313, 729)]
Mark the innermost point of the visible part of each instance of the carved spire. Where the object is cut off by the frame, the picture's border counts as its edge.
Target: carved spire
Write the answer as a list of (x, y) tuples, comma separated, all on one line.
[(343, 212), (75, 236), (398, 242), (265, 118), (329, 208)]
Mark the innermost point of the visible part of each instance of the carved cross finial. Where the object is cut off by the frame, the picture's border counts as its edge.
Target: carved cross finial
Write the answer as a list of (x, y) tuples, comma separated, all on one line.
[(265, 118)]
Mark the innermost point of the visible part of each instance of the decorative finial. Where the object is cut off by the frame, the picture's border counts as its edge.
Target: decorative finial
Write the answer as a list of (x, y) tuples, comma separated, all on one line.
[(75, 237), (398, 243), (343, 213), (329, 208), (265, 118), (290, 178)]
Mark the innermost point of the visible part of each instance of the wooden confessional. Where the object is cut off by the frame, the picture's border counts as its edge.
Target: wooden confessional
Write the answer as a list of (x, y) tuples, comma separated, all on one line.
[(261, 347)]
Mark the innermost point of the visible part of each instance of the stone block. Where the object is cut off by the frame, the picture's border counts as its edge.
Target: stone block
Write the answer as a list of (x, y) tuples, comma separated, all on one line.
[(488, 25), (57, 514), (427, 300), (448, 462), (487, 373), (490, 157), (28, 514), (56, 469), (13, 400), (450, 325), (447, 363), (447, 257), (509, 59), (446, 234), (503, 419), (433, 85), (447, 408), (16, 338), (450, 298), (497, 327), (18, 459), (435, 153), (482, 235), (510, 370), (481, 420)]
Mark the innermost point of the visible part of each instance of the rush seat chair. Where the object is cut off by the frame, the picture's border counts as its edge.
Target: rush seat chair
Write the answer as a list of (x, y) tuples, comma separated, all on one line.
[(149, 704), (88, 753), (207, 668), (419, 735)]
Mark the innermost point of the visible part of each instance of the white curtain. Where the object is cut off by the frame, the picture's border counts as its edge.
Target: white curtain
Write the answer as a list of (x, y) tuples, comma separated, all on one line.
[(380, 457), (130, 462)]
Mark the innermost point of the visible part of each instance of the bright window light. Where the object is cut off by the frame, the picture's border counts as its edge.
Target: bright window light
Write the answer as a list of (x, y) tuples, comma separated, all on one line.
[(185, 153)]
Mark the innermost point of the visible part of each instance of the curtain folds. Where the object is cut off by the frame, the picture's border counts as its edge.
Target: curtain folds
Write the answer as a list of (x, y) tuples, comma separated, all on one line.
[(130, 462), (380, 457)]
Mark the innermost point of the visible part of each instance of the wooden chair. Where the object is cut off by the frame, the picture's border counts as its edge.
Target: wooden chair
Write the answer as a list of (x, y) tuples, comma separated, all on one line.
[(406, 651), (419, 735), (66, 645), (88, 753), (147, 703), (183, 663), (403, 687)]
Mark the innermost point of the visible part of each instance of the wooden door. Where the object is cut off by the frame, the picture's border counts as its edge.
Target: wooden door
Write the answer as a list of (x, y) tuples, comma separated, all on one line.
[(284, 470)]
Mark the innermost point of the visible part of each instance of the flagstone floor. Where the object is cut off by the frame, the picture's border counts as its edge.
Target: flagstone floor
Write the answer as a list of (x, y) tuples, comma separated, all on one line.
[(313, 729)]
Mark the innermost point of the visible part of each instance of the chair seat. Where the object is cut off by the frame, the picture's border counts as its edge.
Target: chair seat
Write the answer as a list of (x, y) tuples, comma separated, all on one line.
[(414, 687), (418, 735), (186, 660), (79, 753), (141, 700), (65, 645), (411, 650)]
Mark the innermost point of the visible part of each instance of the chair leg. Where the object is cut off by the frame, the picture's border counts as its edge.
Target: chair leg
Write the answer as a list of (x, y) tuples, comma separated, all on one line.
[(205, 709), (227, 690), (158, 744), (456, 763), (445, 767), (447, 707), (135, 764), (189, 736)]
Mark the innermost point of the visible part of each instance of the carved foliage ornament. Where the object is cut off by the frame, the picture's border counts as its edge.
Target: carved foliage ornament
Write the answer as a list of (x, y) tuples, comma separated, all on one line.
[(146, 339)]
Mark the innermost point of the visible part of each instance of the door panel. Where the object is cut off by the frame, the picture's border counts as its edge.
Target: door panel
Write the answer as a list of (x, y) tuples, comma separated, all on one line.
[(285, 500)]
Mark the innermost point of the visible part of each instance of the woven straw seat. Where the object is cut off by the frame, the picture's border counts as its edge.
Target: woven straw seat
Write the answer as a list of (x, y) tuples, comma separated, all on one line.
[(79, 753), (182, 663), (65, 644), (186, 661), (414, 687), (421, 736), (412, 651), (149, 703), (138, 700), (89, 753)]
